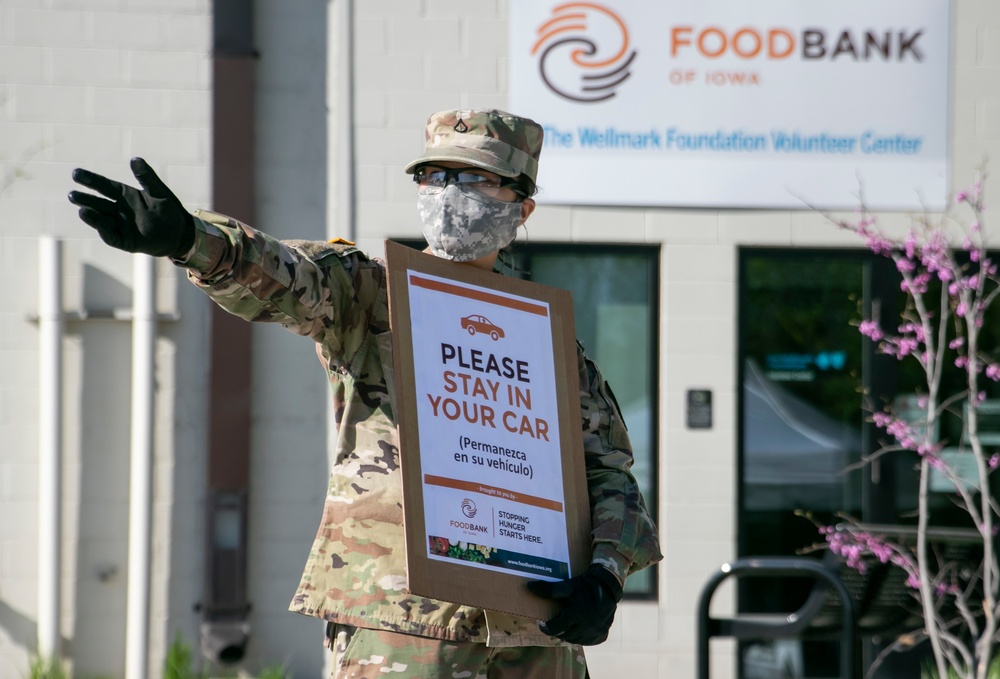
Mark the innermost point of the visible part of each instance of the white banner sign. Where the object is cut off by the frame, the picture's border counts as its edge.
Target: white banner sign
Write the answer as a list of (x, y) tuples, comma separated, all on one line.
[(727, 103)]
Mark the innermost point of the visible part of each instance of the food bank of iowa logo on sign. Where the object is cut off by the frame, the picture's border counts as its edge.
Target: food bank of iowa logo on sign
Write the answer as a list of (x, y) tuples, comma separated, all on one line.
[(583, 52)]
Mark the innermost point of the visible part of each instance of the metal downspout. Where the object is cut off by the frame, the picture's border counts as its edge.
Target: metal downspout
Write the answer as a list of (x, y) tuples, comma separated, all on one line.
[(50, 327), (341, 194), (144, 329), (225, 626)]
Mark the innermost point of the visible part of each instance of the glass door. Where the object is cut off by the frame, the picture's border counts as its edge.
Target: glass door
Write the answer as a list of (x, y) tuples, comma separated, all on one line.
[(801, 426), (809, 380)]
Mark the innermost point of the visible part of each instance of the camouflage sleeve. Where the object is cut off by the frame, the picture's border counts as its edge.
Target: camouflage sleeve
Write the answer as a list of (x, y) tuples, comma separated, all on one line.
[(624, 536), (312, 288)]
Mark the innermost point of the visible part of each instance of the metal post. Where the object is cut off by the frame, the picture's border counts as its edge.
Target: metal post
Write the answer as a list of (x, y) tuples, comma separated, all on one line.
[(50, 326), (140, 467)]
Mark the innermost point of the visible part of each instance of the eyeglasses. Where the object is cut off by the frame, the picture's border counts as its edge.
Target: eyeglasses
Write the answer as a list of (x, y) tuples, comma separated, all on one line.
[(431, 180)]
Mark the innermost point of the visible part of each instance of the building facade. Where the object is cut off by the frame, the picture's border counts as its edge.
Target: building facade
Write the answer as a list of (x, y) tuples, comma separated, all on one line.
[(341, 92)]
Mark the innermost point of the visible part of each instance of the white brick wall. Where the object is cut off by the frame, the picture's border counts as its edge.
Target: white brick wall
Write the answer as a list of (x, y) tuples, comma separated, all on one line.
[(288, 439), (90, 83), (94, 82)]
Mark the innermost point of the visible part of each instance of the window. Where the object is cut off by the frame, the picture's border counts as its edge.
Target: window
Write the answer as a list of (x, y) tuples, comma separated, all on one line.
[(615, 305)]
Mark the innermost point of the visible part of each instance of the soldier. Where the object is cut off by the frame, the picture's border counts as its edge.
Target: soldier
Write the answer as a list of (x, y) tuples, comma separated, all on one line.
[(474, 183)]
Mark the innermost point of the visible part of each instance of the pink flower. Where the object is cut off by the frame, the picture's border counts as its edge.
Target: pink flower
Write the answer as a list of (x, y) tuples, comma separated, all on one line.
[(907, 345), (943, 588), (871, 330), (993, 372), (901, 431), (879, 244), (935, 257), (932, 460), (920, 281), (961, 197), (917, 330), (994, 460), (956, 343), (881, 551), (854, 546)]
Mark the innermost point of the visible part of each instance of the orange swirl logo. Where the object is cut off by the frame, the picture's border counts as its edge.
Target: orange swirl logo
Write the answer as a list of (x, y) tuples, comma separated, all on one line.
[(572, 64)]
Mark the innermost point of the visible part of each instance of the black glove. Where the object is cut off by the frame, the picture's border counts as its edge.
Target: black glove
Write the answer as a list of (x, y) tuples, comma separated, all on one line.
[(591, 600), (151, 221)]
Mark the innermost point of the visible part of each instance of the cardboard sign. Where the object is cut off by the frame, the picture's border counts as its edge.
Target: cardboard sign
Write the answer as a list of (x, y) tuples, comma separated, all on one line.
[(491, 450)]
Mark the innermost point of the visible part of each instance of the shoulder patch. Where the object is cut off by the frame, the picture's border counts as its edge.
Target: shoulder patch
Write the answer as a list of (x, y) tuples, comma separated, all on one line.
[(317, 249)]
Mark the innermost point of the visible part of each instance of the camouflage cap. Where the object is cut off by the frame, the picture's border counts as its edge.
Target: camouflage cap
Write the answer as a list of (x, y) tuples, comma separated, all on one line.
[(493, 140)]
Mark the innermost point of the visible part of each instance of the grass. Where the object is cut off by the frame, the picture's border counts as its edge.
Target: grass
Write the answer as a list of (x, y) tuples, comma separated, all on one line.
[(179, 664), (930, 672), (276, 672), (47, 668)]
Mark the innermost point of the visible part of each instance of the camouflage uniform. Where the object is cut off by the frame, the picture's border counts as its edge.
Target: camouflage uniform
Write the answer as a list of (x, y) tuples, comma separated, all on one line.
[(373, 654), (355, 576)]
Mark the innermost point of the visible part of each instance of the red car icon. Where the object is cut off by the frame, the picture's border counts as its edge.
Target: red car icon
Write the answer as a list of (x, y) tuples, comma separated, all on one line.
[(476, 323)]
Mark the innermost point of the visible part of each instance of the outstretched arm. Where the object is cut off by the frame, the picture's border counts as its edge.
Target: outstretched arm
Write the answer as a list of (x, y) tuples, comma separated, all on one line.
[(309, 287)]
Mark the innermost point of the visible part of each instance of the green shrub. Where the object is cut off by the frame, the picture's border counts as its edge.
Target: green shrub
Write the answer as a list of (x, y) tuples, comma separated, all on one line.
[(47, 668), (275, 672), (930, 672), (178, 663)]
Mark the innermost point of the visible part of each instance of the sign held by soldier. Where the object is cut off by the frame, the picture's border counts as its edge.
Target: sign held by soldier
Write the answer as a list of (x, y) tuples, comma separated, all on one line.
[(486, 395)]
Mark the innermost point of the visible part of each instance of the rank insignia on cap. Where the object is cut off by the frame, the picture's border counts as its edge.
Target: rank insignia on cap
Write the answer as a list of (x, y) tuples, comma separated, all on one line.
[(493, 140)]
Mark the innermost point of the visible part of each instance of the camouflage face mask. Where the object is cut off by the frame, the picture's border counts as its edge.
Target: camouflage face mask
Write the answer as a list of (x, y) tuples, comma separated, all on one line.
[(461, 224)]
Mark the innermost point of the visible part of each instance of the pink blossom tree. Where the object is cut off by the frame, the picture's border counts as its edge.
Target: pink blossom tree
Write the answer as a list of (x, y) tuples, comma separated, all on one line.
[(950, 282)]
